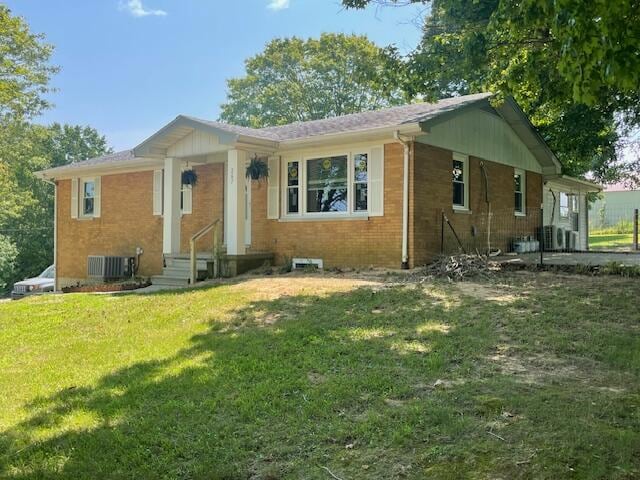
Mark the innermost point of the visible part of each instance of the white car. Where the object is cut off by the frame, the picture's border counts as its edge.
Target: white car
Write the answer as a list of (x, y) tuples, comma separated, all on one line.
[(32, 286)]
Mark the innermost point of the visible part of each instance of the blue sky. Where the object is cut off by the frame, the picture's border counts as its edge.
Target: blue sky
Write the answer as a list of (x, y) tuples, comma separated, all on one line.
[(130, 66)]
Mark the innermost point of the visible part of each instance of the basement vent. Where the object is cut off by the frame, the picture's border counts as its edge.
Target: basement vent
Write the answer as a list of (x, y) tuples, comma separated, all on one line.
[(300, 263), (109, 268)]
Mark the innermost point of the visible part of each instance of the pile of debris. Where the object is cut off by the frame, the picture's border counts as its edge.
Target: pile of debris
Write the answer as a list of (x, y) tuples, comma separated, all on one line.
[(460, 267)]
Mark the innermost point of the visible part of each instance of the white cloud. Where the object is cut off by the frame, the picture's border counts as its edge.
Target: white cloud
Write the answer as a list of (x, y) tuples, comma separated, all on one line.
[(278, 4), (135, 8)]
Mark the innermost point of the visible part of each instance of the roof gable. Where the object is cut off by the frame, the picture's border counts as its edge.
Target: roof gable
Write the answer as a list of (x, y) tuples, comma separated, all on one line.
[(413, 118)]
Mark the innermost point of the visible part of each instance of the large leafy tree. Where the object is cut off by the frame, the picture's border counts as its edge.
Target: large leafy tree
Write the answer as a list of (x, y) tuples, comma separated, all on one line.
[(297, 80), (573, 66), (24, 68), (27, 203)]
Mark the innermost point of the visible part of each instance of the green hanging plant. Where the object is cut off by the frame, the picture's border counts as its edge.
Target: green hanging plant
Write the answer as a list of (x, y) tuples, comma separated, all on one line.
[(189, 177), (257, 169)]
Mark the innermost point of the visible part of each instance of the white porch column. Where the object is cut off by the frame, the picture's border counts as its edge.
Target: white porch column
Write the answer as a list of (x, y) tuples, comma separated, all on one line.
[(234, 205), (171, 219)]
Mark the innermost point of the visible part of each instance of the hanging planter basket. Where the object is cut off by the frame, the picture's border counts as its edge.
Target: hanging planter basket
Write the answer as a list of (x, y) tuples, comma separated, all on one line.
[(257, 169), (189, 177)]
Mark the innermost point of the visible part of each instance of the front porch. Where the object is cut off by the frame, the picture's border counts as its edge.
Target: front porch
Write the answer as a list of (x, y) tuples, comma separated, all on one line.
[(206, 227), (177, 270)]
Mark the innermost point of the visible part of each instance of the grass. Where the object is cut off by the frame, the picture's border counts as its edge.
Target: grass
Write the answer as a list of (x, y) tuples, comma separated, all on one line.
[(526, 376), (610, 240)]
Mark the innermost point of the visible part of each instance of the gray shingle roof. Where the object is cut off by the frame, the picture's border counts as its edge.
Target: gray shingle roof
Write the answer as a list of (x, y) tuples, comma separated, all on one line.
[(104, 160), (387, 117), (374, 119), (237, 130)]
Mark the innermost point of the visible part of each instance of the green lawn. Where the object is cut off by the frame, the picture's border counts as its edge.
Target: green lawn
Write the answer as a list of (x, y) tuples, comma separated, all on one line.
[(526, 376), (610, 240)]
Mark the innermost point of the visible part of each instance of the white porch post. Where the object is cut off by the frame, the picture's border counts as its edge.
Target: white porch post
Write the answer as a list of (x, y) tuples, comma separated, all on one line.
[(234, 205), (171, 219)]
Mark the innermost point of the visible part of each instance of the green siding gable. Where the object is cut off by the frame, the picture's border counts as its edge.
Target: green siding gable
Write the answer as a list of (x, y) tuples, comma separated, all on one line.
[(484, 135)]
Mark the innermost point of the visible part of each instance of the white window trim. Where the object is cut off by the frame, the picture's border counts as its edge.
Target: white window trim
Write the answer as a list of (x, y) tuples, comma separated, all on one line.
[(465, 174), (523, 187), (81, 183), (302, 214)]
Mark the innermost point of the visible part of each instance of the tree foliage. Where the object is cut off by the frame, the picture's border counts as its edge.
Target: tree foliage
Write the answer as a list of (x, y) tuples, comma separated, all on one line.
[(298, 80), (573, 66), (8, 254), (24, 68), (27, 203)]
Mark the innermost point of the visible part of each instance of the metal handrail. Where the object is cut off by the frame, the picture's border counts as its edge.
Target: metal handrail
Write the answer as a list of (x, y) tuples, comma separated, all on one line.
[(192, 249)]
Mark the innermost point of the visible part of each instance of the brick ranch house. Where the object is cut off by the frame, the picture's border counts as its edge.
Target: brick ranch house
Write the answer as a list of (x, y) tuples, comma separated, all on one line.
[(366, 189)]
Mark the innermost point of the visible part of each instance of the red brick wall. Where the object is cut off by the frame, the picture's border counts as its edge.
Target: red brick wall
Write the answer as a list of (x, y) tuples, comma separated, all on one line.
[(127, 219), (354, 243), (126, 222), (207, 205), (432, 193)]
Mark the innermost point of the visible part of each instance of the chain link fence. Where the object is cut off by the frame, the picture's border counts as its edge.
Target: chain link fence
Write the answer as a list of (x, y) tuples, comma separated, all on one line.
[(502, 233)]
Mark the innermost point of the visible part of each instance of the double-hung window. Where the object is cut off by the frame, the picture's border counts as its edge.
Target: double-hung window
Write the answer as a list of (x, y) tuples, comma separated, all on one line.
[(460, 179), (360, 182), (293, 187), (564, 205), (88, 191), (519, 181)]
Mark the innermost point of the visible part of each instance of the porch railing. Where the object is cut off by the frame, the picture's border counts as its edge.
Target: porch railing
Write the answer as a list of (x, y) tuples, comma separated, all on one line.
[(215, 226)]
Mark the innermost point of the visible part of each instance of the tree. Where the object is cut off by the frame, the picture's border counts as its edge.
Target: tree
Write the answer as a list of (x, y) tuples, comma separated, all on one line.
[(8, 253), (27, 203), (297, 80), (24, 68), (574, 67)]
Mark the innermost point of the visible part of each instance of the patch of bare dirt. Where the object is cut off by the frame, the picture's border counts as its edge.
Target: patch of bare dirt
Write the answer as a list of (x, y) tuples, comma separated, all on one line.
[(541, 369), (481, 291), (273, 287)]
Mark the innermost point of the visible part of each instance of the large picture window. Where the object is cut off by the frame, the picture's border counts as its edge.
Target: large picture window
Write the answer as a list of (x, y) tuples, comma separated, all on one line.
[(88, 197), (327, 181), (335, 184)]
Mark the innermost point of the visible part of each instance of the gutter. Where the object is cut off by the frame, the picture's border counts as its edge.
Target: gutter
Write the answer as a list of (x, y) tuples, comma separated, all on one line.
[(566, 179), (55, 230), (405, 200), (360, 135)]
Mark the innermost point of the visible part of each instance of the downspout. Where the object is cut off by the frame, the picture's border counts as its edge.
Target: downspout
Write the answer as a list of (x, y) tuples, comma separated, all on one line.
[(55, 231), (405, 200)]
